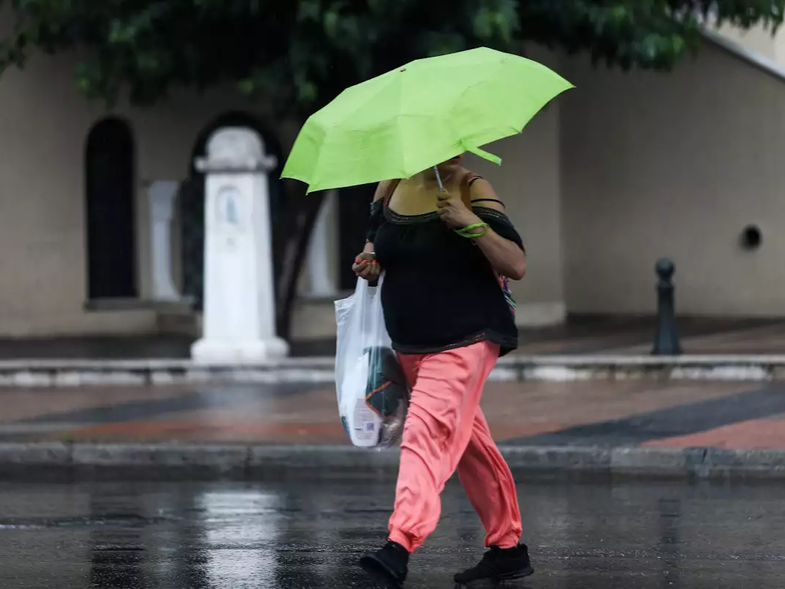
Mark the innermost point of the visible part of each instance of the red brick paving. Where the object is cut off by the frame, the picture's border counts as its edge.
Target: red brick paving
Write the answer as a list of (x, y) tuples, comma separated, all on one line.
[(27, 403), (756, 434), (200, 431), (514, 410)]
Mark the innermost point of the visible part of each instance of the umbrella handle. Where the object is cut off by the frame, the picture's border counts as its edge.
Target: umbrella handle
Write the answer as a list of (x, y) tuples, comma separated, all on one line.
[(438, 179)]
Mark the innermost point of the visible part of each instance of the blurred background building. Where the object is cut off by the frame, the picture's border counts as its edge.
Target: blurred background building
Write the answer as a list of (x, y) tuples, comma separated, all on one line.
[(629, 168)]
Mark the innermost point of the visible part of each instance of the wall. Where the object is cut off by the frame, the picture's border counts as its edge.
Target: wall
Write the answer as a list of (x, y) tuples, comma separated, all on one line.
[(757, 39), (529, 183), (44, 124), (626, 168), (760, 40), (674, 165)]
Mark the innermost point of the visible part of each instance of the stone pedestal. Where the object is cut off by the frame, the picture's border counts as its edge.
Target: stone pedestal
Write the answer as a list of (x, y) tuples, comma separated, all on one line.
[(239, 297), (162, 195)]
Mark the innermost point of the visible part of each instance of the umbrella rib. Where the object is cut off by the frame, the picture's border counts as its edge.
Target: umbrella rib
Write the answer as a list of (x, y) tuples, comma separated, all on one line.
[(460, 97)]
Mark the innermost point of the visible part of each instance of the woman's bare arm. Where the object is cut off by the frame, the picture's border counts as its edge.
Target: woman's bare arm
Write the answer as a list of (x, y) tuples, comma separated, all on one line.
[(381, 192), (365, 265), (506, 257)]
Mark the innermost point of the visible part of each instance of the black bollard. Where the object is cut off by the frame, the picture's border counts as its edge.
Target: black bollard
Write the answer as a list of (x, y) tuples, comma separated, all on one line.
[(667, 340)]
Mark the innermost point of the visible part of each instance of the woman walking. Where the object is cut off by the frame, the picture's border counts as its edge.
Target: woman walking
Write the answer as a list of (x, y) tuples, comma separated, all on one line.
[(449, 316)]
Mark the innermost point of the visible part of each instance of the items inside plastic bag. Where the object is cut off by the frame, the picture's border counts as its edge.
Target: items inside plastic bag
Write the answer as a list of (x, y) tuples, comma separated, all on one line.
[(371, 386)]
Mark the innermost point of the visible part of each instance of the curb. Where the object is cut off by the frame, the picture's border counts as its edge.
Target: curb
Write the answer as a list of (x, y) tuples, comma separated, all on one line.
[(239, 461), (67, 373)]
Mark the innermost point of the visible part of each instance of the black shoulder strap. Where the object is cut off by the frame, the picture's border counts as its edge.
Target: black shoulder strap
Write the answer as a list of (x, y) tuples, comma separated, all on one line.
[(390, 191), (466, 188)]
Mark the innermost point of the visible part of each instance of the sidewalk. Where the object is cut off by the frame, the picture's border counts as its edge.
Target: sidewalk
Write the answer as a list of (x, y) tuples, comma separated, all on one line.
[(609, 407), (588, 335), (643, 427), (598, 349), (621, 413)]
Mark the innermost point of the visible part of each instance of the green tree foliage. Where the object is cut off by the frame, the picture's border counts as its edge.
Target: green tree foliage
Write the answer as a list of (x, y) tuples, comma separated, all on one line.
[(303, 52)]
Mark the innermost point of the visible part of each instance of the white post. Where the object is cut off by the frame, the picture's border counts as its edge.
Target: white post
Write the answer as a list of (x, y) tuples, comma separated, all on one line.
[(161, 195), (239, 297), (321, 269)]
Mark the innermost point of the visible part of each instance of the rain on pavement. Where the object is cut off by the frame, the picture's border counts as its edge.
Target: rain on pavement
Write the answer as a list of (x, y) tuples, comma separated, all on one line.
[(304, 535)]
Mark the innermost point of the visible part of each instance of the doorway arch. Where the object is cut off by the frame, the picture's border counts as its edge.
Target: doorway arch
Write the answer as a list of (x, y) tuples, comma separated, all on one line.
[(110, 191)]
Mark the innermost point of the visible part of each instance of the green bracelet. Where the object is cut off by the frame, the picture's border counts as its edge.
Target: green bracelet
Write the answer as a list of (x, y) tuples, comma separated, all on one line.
[(468, 232)]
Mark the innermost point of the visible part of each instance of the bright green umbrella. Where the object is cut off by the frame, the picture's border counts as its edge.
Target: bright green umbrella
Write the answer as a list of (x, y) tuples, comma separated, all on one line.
[(419, 115)]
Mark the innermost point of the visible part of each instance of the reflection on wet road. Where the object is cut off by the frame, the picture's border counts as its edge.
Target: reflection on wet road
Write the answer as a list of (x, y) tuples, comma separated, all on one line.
[(296, 535)]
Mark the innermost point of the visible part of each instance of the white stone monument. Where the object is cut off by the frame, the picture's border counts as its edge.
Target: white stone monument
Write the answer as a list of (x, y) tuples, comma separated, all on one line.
[(161, 195), (239, 296)]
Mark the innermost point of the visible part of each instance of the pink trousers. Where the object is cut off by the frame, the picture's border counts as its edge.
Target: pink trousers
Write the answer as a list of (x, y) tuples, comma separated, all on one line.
[(444, 430)]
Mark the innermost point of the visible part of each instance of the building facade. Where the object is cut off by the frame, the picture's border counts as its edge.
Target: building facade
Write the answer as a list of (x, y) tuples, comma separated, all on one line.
[(625, 169)]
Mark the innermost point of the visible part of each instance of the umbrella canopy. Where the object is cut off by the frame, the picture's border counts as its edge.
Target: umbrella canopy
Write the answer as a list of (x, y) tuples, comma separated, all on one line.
[(419, 115)]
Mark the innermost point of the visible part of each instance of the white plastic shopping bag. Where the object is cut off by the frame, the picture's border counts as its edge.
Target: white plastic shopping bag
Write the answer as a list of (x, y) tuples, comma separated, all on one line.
[(372, 391)]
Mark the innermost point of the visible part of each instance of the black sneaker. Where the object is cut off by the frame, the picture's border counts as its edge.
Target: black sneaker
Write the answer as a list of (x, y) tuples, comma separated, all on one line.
[(390, 563), (498, 565)]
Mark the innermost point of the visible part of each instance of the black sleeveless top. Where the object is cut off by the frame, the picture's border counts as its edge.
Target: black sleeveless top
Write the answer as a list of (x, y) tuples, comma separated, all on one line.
[(440, 291)]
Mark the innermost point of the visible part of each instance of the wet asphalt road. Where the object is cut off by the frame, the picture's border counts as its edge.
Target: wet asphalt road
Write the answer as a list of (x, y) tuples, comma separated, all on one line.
[(299, 535)]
